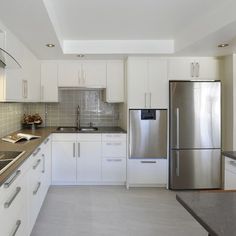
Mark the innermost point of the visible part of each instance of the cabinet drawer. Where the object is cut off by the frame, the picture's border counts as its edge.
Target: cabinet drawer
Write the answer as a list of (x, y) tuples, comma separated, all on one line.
[(89, 137), (114, 149), (230, 164), (149, 171), (114, 137), (114, 169), (64, 137)]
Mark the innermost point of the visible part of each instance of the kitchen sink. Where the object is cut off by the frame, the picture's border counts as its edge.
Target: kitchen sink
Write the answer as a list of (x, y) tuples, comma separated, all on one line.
[(67, 129), (88, 129), (75, 129), (8, 157)]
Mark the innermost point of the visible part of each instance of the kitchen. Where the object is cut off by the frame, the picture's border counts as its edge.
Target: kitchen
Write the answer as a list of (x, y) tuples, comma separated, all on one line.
[(128, 117)]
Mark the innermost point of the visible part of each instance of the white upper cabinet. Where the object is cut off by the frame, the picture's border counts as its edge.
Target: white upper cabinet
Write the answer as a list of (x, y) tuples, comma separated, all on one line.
[(91, 74), (147, 83), (158, 83), (94, 74), (137, 77), (19, 83), (115, 81), (202, 68), (69, 74), (49, 82)]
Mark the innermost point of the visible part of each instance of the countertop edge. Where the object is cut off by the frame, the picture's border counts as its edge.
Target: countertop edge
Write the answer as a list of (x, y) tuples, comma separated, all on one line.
[(195, 216), (230, 154)]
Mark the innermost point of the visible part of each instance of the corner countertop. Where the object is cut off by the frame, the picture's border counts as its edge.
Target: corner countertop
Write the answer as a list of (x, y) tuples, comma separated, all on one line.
[(30, 146), (230, 154), (215, 211)]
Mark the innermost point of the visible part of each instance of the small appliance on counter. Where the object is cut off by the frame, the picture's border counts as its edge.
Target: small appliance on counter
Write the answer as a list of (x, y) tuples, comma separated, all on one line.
[(148, 133)]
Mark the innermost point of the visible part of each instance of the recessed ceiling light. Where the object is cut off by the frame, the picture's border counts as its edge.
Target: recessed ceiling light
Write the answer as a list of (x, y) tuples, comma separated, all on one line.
[(80, 55), (50, 45), (223, 45)]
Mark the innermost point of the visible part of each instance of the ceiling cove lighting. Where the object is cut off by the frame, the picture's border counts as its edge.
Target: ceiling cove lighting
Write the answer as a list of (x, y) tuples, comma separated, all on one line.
[(223, 45), (50, 45)]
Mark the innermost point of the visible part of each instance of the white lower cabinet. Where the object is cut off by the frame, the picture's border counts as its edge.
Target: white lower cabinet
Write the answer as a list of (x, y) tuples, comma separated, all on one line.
[(230, 174), (89, 161), (89, 158), (147, 172), (13, 206), (114, 170)]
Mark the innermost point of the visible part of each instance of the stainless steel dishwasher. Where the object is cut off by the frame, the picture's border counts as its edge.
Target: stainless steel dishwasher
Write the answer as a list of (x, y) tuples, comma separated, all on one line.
[(148, 133)]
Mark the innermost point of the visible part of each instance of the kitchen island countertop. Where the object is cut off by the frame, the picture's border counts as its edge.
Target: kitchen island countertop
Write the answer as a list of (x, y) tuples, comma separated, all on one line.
[(215, 211)]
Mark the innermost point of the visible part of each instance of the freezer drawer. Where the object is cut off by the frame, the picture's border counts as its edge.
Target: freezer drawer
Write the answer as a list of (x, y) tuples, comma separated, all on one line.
[(195, 169), (148, 134)]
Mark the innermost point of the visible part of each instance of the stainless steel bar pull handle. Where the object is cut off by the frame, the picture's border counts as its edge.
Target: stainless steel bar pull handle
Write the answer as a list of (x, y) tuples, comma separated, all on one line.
[(73, 149), (192, 69), (177, 127), (36, 152), (46, 141), (43, 170), (148, 162), (17, 226), (145, 100), (8, 203), (177, 163), (8, 184), (37, 163), (197, 69), (37, 188), (78, 149)]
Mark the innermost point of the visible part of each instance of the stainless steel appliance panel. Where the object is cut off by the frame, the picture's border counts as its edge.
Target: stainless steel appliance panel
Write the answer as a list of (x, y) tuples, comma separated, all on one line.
[(195, 115), (195, 169), (148, 137)]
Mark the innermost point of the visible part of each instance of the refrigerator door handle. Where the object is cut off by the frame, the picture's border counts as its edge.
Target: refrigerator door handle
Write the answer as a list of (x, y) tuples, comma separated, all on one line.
[(177, 163), (177, 127)]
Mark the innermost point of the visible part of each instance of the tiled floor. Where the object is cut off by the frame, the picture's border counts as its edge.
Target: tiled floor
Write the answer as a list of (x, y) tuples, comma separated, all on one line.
[(113, 211)]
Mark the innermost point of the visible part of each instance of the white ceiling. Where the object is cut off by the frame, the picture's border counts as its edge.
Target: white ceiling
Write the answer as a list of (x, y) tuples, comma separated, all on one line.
[(192, 25)]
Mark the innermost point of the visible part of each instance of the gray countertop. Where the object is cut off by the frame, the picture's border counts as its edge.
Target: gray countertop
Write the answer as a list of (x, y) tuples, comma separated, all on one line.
[(230, 154), (215, 211), (100, 130), (30, 146)]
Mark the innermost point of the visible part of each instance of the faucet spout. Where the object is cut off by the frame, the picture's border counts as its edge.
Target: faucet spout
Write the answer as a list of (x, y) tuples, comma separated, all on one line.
[(78, 118)]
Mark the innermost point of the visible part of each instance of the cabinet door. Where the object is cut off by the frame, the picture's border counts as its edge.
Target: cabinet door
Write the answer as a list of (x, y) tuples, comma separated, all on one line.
[(181, 68), (94, 74), (158, 83), (49, 84), (31, 68), (137, 75), (69, 74), (208, 68), (115, 81), (147, 172), (89, 161), (63, 162), (114, 169)]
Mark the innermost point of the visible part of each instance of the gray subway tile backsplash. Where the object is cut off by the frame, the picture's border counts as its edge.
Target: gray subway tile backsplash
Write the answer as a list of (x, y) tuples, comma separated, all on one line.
[(92, 109)]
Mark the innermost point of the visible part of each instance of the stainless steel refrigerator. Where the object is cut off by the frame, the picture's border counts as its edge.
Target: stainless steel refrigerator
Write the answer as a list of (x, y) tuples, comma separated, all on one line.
[(148, 133), (195, 134)]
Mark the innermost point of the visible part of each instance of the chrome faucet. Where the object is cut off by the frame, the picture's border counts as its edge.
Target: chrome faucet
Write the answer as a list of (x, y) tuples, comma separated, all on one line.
[(78, 118)]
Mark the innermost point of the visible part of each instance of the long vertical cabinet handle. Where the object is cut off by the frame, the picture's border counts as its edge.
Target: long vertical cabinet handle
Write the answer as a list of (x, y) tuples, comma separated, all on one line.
[(43, 170), (78, 149), (177, 163), (73, 149), (192, 69), (145, 100), (84, 77), (79, 77), (177, 127), (150, 100), (197, 69), (23, 88), (26, 89), (42, 93), (17, 226)]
